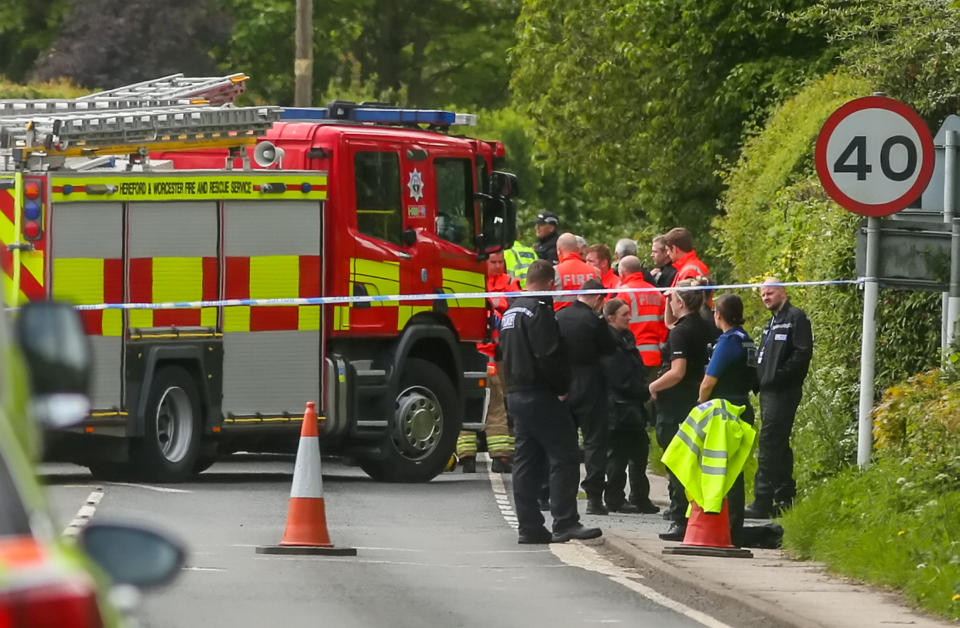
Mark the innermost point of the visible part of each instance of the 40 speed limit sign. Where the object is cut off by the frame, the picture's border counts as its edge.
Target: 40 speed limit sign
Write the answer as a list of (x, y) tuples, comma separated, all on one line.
[(874, 156)]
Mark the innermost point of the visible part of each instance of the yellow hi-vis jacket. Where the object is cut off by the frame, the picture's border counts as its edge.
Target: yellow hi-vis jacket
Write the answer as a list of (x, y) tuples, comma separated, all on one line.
[(517, 260), (709, 451)]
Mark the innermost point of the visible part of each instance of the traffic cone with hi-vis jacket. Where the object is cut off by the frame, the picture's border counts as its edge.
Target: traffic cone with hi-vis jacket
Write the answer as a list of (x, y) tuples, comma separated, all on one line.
[(306, 531), (708, 534)]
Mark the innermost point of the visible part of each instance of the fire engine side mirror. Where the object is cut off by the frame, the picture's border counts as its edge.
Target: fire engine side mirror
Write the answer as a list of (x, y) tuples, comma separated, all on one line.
[(504, 184), (499, 214)]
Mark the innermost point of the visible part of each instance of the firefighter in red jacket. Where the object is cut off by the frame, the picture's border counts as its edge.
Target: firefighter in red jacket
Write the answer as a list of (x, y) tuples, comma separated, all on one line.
[(599, 256), (646, 311), (499, 440), (679, 243), (571, 272)]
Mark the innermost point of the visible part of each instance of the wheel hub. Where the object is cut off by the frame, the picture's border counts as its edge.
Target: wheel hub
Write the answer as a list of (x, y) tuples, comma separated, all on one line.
[(419, 422), (174, 418)]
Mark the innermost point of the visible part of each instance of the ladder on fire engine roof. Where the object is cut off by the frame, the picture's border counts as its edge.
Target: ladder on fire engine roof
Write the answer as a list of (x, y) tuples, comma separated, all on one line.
[(216, 90), (167, 91), (171, 112)]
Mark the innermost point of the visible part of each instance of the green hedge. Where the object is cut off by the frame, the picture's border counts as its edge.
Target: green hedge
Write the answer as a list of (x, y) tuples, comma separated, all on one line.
[(777, 220)]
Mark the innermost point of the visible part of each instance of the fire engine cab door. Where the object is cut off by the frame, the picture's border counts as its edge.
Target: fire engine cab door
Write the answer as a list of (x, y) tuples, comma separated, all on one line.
[(272, 354), (387, 189)]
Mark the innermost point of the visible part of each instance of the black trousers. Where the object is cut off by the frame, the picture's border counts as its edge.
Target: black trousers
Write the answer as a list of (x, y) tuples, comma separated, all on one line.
[(774, 479), (592, 418), (629, 447), (677, 511), (736, 498), (546, 438)]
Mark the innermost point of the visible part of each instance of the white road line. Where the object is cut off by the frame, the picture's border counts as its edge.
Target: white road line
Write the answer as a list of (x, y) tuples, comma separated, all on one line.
[(85, 514), (201, 569), (159, 489), (583, 556)]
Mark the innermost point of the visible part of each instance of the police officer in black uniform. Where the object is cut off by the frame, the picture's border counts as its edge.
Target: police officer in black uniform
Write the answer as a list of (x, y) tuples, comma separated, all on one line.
[(586, 339), (547, 236), (782, 365), (537, 378), (731, 374), (677, 388)]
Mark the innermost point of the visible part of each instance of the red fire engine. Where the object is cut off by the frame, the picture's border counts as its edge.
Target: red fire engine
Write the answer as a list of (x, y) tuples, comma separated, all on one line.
[(186, 255)]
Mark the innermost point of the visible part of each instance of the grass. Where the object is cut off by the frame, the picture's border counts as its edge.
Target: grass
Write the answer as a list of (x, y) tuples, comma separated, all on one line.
[(888, 525)]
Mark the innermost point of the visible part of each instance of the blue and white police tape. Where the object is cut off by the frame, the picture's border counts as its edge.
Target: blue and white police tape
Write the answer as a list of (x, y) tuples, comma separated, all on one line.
[(446, 296)]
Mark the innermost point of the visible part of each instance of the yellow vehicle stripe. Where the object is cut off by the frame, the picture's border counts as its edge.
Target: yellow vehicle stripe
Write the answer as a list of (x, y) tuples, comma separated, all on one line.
[(406, 312), (218, 186), (455, 280)]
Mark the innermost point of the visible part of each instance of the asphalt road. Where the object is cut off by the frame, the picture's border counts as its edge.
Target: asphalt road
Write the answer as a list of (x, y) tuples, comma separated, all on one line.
[(436, 554)]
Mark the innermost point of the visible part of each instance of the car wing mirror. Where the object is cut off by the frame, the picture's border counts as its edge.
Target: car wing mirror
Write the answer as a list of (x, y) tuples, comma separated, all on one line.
[(59, 360), (132, 554)]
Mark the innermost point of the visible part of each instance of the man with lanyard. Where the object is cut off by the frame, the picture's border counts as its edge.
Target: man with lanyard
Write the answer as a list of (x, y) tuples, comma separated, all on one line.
[(499, 440), (537, 375), (546, 246), (782, 365), (572, 271)]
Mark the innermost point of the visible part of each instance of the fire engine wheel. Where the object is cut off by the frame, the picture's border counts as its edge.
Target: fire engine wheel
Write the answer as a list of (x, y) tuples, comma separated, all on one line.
[(424, 430), (170, 445)]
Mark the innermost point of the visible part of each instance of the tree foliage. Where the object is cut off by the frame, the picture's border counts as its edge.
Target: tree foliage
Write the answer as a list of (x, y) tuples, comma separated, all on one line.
[(108, 43), (646, 99), (27, 28), (907, 48), (450, 51)]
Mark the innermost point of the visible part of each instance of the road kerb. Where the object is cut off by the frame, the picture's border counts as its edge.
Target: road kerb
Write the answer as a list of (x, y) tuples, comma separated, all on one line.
[(641, 558)]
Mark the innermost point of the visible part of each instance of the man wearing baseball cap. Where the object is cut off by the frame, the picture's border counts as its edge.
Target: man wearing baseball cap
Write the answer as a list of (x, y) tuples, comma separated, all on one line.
[(546, 247)]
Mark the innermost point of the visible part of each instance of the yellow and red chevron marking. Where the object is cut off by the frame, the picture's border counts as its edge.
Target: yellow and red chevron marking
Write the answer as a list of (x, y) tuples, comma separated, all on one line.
[(269, 277), (31, 262), (89, 281)]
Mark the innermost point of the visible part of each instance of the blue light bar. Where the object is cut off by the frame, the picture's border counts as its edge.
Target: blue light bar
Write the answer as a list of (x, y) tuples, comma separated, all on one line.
[(304, 113), (396, 116), (380, 115)]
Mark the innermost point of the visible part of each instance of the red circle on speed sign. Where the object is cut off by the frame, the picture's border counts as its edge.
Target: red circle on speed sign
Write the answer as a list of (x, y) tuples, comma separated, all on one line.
[(874, 156)]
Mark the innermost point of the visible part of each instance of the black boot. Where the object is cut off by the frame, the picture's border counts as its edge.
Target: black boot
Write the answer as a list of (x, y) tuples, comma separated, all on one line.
[(469, 464), (500, 464), (576, 532), (676, 531), (645, 507), (759, 509), (595, 506)]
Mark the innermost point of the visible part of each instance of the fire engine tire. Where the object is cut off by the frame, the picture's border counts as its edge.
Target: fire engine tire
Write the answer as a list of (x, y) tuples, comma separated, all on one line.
[(170, 447), (425, 427), (204, 462)]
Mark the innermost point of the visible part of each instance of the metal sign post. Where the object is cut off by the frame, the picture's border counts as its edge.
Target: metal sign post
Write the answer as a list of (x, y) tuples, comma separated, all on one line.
[(874, 157), (949, 185), (868, 344)]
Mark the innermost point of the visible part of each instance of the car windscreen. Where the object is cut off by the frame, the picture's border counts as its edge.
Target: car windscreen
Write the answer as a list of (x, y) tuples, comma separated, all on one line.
[(13, 515)]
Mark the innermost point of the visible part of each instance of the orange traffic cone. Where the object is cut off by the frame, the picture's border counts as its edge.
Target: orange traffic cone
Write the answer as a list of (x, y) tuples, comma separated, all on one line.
[(306, 531), (708, 535)]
